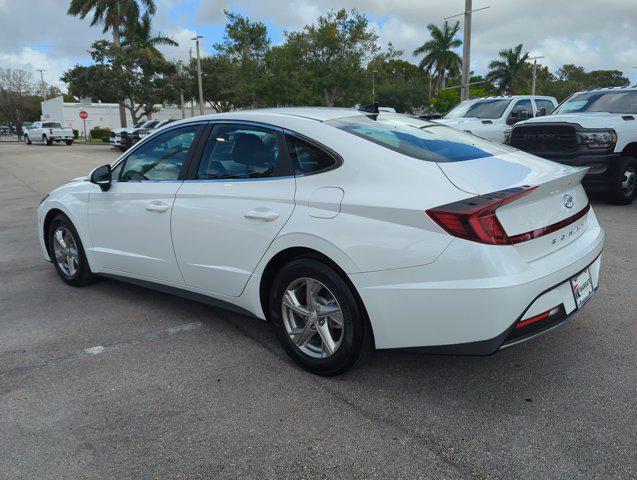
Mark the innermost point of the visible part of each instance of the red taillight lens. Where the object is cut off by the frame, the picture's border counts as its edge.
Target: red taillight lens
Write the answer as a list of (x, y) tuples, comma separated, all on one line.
[(475, 219)]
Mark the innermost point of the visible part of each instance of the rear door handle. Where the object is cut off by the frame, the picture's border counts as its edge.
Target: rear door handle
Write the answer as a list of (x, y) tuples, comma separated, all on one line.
[(158, 207), (265, 215)]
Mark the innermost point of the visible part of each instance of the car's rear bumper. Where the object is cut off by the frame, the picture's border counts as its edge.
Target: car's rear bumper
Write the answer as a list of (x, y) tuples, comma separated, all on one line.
[(470, 299)]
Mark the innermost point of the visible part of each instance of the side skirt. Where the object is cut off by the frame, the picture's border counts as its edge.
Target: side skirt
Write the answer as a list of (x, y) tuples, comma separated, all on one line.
[(180, 292)]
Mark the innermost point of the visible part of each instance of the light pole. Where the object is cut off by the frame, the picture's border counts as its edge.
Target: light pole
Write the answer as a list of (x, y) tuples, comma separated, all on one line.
[(466, 47), (41, 70), (534, 73), (374, 85), (196, 39)]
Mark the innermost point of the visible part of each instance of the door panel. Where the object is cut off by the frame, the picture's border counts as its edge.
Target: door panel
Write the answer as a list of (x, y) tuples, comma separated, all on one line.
[(226, 217), (222, 229), (130, 229)]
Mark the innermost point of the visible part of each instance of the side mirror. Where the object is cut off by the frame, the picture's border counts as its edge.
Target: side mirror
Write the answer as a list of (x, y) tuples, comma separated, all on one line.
[(101, 176), (512, 118)]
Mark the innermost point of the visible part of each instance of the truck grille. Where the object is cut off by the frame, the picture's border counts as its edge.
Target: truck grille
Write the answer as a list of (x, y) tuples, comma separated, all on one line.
[(544, 138)]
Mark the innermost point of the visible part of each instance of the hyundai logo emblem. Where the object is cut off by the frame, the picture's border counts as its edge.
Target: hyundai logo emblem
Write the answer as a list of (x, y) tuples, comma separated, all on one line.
[(568, 201)]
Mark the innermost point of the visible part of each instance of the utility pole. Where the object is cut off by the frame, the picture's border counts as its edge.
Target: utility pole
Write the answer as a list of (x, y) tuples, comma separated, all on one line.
[(41, 70), (534, 73), (373, 85), (181, 104), (466, 47), (196, 39)]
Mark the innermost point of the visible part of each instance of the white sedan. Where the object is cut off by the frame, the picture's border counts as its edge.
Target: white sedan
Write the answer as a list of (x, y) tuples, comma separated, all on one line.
[(346, 229)]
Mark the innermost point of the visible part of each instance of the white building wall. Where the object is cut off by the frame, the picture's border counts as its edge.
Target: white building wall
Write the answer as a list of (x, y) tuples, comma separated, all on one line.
[(104, 115)]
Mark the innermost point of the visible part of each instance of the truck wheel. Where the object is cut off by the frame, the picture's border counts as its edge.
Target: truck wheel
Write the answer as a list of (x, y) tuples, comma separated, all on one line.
[(623, 182), (27, 140), (44, 140), (69, 142)]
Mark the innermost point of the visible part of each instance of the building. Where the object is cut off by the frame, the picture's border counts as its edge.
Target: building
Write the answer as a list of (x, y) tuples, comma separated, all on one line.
[(104, 115)]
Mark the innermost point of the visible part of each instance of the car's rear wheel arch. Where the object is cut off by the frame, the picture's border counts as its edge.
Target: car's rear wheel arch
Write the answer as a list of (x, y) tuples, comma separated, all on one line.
[(283, 257)]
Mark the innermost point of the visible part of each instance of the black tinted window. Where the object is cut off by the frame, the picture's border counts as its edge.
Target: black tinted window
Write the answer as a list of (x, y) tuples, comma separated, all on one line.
[(162, 157), (241, 151), (306, 158), (613, 102)]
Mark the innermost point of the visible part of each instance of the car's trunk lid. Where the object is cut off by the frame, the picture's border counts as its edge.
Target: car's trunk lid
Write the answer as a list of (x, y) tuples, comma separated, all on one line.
[(558, 196)]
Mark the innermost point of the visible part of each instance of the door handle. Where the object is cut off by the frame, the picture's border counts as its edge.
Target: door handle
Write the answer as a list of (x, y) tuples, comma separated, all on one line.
[(265, 215), (158, 207)]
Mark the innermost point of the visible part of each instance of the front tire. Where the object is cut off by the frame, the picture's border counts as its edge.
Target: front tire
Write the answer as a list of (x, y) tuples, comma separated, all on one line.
[(69, 142), (622, 188), (317, 318), (67, 253), (27, 140)]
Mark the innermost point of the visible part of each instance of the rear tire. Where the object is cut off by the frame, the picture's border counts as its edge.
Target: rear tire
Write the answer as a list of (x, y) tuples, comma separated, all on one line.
[(67, 253), (321, 342), (622, 187), (69, 142), (27, 140)]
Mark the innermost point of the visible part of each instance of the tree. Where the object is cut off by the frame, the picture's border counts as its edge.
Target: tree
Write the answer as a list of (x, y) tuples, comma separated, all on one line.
[(439, 55), (511, 71), (139, 36), (16, 96), (113, 15)]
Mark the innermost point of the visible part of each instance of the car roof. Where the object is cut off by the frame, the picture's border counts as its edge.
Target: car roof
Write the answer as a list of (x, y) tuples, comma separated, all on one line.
[(320, 114), (609, 89)]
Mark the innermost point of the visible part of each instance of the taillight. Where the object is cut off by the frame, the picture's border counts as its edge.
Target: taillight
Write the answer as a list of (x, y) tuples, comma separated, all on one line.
[(475, 219)]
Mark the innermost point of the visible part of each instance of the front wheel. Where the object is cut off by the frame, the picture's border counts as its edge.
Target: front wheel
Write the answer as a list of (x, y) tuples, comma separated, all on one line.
[(317, 318), (69, 142), (67, 253), (623, 181), (27, 140)]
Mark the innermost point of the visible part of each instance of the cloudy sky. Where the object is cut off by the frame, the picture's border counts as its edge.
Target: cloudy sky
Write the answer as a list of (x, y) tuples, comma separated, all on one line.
[(595, 34)]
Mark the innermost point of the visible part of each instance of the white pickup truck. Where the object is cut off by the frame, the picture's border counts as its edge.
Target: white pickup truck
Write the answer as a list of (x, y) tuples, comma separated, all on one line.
[(489, 117), (47, 133), (597, 129)]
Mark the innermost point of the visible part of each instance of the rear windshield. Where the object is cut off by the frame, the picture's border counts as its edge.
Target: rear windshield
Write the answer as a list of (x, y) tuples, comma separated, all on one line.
[(51, 125), (613, 102), (489, 109), (418, 139)]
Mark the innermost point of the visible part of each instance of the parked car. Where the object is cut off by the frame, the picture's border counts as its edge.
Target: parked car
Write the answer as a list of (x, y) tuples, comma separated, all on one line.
[(47, 133), (490, 117), (345, 229), (139, 133), (115, 137), (596, 129)]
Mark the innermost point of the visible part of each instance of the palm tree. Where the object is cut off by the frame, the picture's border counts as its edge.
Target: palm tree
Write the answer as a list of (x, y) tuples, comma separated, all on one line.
[(112, 14), (439, 54), (138, 34), (509, 71)]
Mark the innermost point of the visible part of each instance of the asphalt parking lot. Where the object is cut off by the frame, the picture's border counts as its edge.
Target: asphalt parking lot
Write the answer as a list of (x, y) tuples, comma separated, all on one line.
[(116, 381)]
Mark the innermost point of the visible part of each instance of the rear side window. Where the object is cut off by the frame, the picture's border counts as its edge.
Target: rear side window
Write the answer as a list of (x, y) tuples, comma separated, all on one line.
[(307, 158), (242, 151), (422, 140)]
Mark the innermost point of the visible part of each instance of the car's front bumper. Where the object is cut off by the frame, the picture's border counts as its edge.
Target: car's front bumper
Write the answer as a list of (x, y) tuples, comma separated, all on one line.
[(469, 300), (600, 166)]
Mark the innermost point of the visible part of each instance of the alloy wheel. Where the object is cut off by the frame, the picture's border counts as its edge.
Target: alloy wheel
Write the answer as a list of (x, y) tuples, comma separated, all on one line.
[(65, 251), (312, 318)]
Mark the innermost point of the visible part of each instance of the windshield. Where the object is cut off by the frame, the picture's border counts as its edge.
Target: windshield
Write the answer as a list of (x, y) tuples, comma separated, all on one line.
[(612, 102), (479, 109), (418, 139), (150, 124), (51, 125)]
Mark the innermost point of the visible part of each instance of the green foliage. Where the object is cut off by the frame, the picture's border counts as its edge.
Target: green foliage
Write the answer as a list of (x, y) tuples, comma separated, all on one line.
[(76, 134), (439, 54), (511, 71), (98, 133)]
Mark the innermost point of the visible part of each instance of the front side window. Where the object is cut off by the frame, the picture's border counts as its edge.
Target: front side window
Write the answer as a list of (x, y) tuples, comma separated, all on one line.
[(547, 105), (235, 151), (486, 109), (307, 158), (415, 138), (161, 158), (612, 102), (522, 106)]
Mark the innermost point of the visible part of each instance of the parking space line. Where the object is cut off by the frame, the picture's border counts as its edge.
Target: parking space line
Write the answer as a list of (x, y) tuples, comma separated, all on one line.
[(99, 349)]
